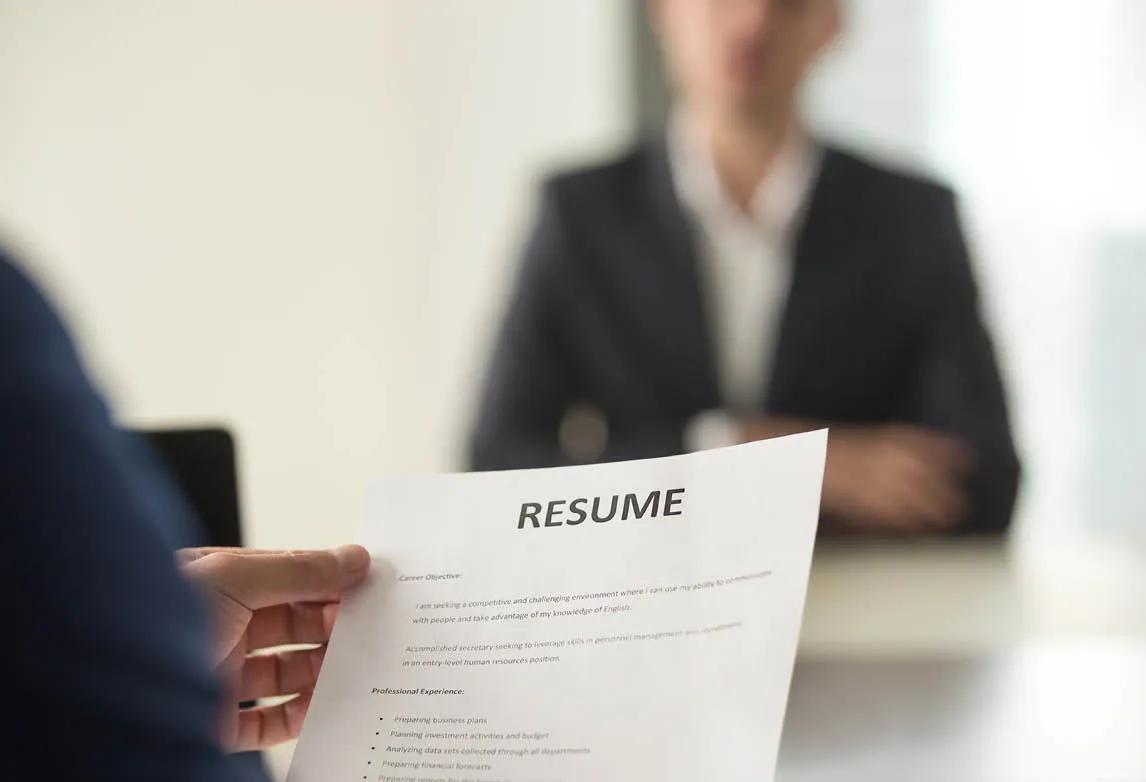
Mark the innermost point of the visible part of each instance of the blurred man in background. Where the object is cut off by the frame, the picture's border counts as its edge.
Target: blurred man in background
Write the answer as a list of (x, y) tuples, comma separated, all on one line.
[(737, 279)]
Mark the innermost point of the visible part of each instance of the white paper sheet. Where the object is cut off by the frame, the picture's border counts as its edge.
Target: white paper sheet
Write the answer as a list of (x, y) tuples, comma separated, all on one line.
[(502, 637)]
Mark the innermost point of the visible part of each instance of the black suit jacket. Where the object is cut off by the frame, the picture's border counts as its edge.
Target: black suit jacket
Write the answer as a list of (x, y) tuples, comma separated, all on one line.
[(881, 323)]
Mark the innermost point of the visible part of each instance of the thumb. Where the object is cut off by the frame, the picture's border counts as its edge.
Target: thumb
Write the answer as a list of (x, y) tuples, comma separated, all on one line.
[(265, 578)]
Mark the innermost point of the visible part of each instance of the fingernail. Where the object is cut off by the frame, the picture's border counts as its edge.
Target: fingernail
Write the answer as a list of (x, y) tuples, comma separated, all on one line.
[(352, 558)]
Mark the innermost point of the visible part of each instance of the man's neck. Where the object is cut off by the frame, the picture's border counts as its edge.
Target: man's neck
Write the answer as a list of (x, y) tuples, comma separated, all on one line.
[(745, 148)]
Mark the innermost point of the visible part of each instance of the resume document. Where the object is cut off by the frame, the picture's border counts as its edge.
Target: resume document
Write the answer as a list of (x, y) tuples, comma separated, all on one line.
[(605, 623)]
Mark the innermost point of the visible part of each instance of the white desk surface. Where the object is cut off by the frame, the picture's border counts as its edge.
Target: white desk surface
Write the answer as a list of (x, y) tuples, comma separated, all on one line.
[(970, 661), (1059, 712), (969, 595)]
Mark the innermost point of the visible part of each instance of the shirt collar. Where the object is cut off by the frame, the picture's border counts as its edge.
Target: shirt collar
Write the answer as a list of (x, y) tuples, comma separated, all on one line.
[(779, 199)]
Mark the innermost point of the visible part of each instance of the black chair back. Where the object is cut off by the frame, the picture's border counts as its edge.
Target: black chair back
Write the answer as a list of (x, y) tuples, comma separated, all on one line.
[(202, 462)]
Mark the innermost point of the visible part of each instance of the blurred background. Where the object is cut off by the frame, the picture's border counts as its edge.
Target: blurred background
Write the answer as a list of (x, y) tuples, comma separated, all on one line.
[(301, 219)]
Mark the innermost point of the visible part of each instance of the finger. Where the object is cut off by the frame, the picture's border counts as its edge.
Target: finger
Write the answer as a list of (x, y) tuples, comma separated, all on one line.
[(264, 727), (186, 555), (938, 448), (929, 499), (290, 623), (286, 673), (943, 489), (906, 498), (258, 580), (919, 472), (889, 513)]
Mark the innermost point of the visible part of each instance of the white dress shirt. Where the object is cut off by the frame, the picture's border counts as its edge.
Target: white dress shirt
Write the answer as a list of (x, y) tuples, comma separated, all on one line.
[(746, 263)]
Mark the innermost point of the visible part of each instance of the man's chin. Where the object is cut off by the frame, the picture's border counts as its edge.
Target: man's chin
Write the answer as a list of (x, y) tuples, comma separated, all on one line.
[(755, 102)]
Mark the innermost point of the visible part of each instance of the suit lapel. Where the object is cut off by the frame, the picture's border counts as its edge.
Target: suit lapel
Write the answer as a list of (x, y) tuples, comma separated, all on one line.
[(812, 258), (668, 231)]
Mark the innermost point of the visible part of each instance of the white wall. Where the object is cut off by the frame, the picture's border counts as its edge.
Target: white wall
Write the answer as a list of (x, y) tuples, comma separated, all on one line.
[(292, 216), (872, 88), (1039, 113)]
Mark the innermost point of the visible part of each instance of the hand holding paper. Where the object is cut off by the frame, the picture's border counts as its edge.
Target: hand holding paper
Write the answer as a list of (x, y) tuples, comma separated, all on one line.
[(263, 599)]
